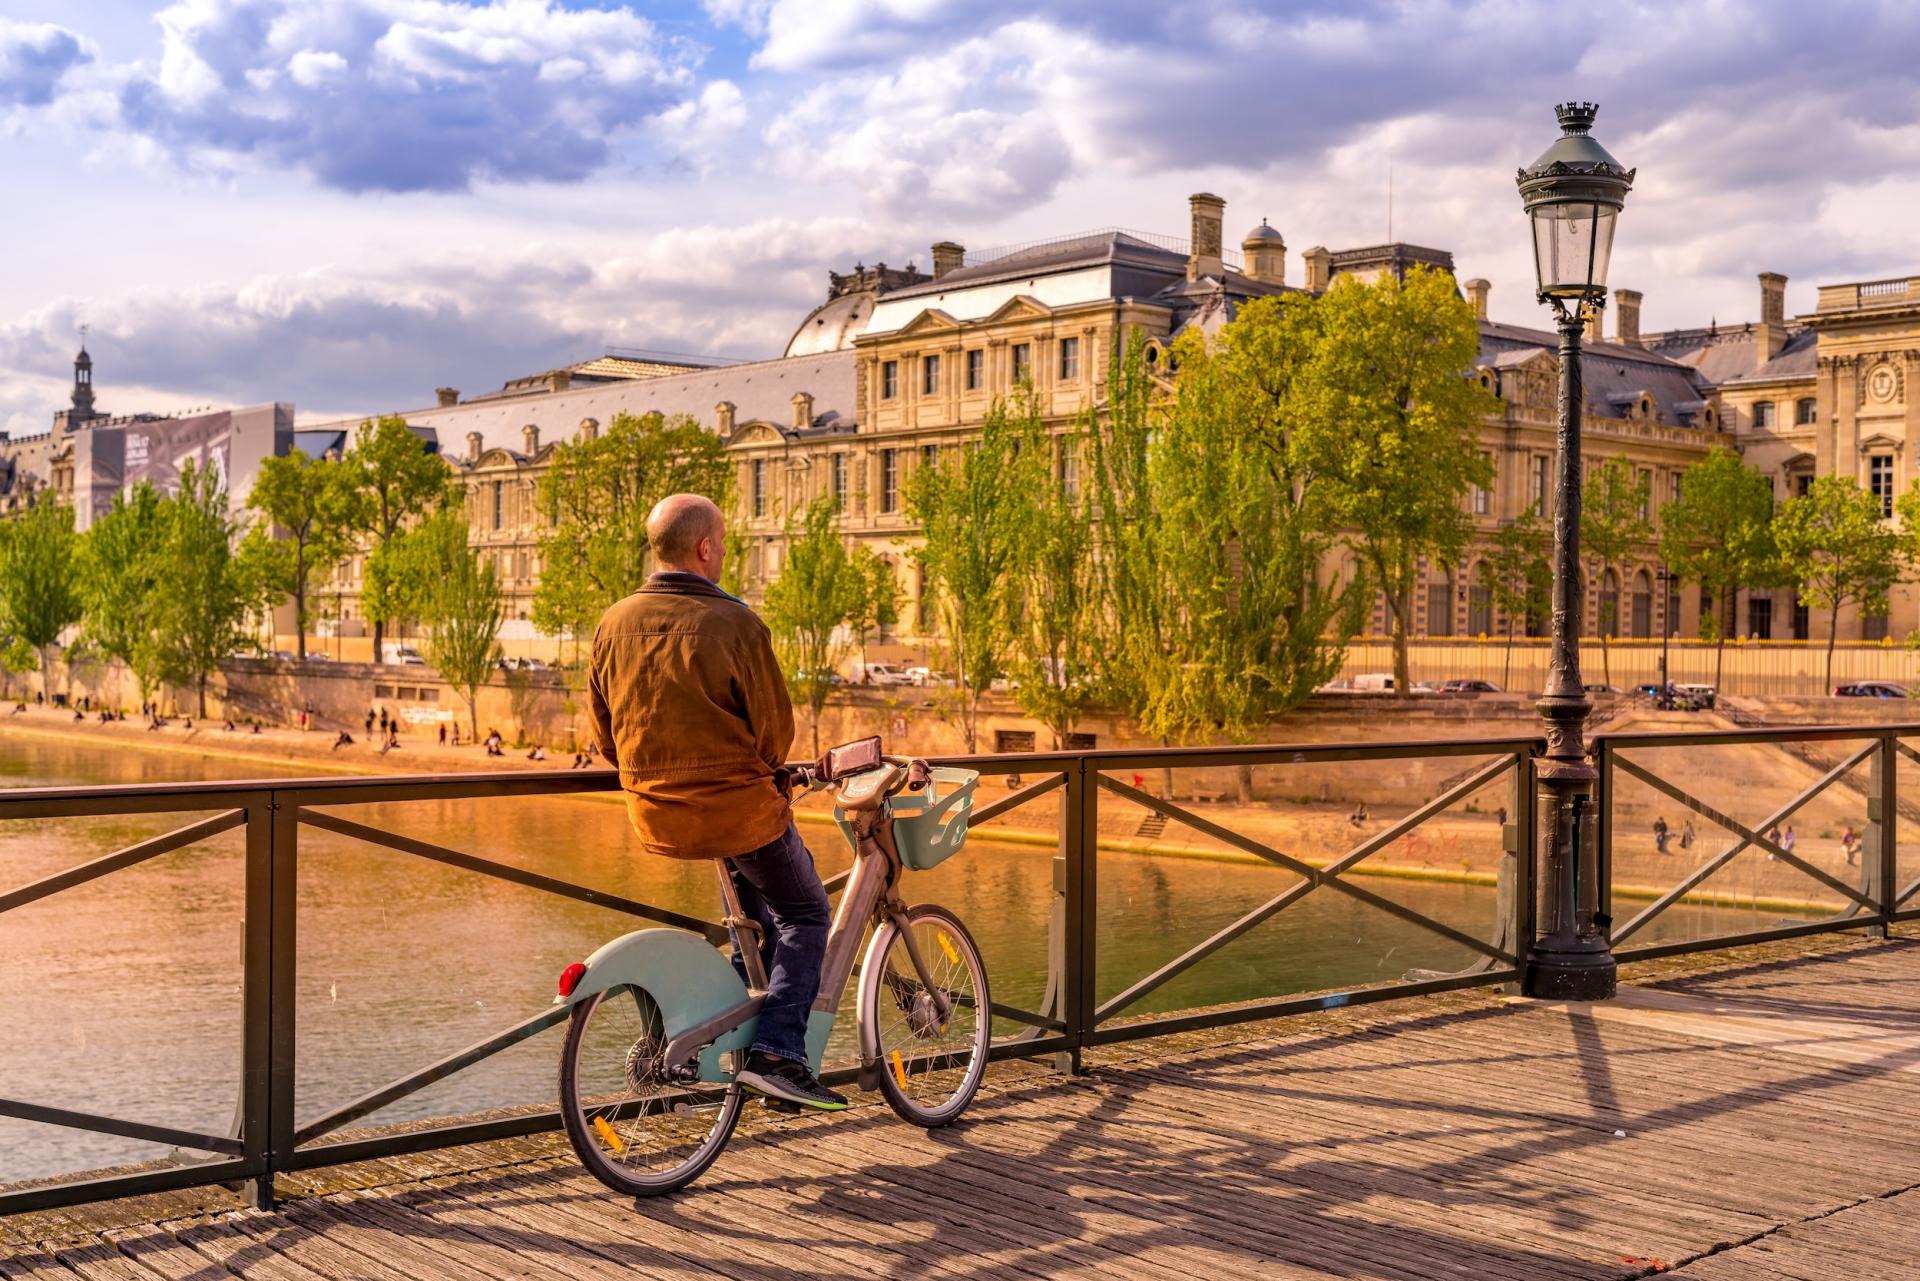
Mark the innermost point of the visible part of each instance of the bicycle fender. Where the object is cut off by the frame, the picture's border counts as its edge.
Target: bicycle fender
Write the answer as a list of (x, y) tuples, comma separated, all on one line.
[(686, 977)]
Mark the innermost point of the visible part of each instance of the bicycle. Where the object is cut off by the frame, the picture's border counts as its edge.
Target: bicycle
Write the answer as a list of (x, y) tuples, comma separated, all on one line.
[(661, 1021)]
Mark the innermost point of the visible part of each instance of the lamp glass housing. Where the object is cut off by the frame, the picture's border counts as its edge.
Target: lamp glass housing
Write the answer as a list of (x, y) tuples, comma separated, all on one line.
[(1572, 245)]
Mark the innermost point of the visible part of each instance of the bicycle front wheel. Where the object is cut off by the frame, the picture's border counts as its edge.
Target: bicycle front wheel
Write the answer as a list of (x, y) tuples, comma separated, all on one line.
[(930, 1037), (634, 1130)]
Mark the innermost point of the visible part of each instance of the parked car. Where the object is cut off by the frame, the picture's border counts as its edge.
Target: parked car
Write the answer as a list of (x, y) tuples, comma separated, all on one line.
[(1373, 682), (884, 674), (1871, 689), (280, 655), (315, 656), (405, 655), (924, 676), (1344, 685), (1467, 686), (1425, 687), (1601, 687), (1702, 695)]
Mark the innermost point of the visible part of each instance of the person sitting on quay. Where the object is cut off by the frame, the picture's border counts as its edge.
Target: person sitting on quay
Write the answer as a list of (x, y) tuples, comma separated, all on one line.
[(538, 753), (256, 727), (494, 744), (18, 708), (228, 727), (79, 715), (345, 740), (1359, 814)]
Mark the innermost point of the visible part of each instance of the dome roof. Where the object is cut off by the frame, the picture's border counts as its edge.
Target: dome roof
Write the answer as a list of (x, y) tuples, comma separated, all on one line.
[(833, 325), (1263, 233)]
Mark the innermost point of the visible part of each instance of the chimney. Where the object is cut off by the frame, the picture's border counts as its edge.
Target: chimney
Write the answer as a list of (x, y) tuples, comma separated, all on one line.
[(473, 446), (802, 410), (1626, 320), (1319, 261), (1771, 334), (1592, 316), (1265, 252), (723, 419), (589, 428), (530, 440), (1209, 212), (559, 380), (947, 256), (447, 396), (1477, 290)]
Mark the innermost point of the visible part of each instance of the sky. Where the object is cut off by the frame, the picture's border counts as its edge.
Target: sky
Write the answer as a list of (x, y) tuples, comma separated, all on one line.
[(348, 203)]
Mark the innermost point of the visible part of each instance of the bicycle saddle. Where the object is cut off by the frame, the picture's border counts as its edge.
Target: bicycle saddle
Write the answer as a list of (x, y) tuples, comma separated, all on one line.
[(868, 789)]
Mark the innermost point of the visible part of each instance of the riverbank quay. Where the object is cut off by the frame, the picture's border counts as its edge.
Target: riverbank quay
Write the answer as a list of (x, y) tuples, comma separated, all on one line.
[(1740, 1114)]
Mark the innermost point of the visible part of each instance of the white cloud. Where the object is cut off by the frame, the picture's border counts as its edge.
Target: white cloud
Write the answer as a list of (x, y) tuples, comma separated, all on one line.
[(34, 59), (699, 129), (405, 95)]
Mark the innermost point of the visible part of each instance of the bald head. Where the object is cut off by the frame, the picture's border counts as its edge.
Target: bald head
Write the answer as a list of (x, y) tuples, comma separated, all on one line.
[(688, 533)]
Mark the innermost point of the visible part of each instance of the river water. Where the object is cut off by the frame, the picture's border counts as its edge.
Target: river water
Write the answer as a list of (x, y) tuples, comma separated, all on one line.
[(122, 996)]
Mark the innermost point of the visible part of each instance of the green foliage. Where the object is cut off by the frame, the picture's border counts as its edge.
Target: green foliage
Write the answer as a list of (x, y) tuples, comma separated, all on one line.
[(456, 595), (1055, 651), (114, 574), (1612, 528), (975, 510), (389, 481), (598, 493), (200, 597), (312, 505), (1719, 533), (811, 606), (1834, 543), (1522, 571), (1131, 626), (39, 596), (1391, 418)]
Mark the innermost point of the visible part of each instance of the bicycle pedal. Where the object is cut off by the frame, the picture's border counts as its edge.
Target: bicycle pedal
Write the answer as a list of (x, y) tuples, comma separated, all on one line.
[(781, 1105)]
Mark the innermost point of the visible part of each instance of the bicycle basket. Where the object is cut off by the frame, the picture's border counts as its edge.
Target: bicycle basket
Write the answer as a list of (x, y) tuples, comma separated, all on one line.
[(930, 825)]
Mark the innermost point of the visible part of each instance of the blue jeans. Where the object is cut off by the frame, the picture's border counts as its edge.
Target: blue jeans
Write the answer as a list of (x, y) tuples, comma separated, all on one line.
[(779, 888)]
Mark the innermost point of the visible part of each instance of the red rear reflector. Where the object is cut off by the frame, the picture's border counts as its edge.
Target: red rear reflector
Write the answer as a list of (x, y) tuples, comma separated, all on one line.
[(570, 978)]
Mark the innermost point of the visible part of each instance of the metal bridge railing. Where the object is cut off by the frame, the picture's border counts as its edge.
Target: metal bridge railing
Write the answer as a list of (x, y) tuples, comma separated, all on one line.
[(274, 1130)]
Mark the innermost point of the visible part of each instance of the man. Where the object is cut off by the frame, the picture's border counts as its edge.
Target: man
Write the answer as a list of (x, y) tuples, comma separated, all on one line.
[(690, 706)]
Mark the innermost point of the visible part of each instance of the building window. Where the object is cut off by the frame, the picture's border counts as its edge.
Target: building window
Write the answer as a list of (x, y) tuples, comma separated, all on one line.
[(1069, 467), (1673, 610), (759, 487), (1646, 494), (1609, 604), (930, 376), (889, 480), (929, 455), (1483, 498), (1642, 605), (1760, 618), (1480, 602), (1873, 627), (1542, 484), (1880, 481), (1802, 630), (1673, 487), (499, 504), (1022, 361), (889, 379), (1069, 359), (1800, 485), (1440, 604), (1805, 412), (840, 479), (1763, 414), (976, 369)]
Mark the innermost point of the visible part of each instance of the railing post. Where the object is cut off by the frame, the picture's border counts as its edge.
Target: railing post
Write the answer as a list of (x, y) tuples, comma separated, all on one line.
[(1516, 892), (286, 903), (256, 1003), (1603, 845), (1082, 838), (1879, 871)]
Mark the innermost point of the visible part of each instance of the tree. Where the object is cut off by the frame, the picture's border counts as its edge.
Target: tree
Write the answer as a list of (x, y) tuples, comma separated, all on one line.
[(199, 598), (1613, 526), (311, 502), (17, 658), (809, 607), (114, 575), (878, 605), (39, 596), (390, 481), (1719, 533), (458, 602), (1833, 541), (975, 514), (1397, 423), (597, 494), (1522, 576), (1055, 653)]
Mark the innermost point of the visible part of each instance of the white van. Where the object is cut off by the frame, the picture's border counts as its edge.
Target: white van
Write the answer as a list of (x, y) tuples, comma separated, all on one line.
[(1374, 681)]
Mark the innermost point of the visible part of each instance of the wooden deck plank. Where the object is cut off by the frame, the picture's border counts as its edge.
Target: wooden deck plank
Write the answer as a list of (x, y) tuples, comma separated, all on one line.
[(1765, 1110)]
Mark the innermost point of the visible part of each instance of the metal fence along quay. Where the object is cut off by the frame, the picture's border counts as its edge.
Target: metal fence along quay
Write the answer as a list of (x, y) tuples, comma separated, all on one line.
[(1711, 777)]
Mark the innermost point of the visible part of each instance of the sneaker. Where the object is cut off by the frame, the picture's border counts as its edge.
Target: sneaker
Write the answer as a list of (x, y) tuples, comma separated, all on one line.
[(791, 1082)]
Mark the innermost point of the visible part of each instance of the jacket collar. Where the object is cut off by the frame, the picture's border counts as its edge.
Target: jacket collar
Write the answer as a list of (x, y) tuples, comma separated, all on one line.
[(678, 582)]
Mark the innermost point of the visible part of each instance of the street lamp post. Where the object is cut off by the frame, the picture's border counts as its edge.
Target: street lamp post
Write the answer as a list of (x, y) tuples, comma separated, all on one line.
[(1572, 194), (1666, 630)]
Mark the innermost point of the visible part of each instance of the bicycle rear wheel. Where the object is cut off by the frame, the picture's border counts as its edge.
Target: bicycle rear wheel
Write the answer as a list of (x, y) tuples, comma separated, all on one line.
[(930, 1068), (634, 1130)]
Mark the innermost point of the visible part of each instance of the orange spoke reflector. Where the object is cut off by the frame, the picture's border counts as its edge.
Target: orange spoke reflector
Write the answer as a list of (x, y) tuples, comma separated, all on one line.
[(899, 1070), (946, 945), (607, 1136)]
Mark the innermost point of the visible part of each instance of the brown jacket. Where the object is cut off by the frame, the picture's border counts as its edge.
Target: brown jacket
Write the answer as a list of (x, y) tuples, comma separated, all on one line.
[(690, 706)]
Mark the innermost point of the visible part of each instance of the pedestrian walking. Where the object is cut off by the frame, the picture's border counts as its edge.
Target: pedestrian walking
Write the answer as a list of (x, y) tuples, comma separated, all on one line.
[(383, 720), (443, 735), (369, 722), (1660, 834), (1686, 835), (1787, 840), (1849, 843)]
